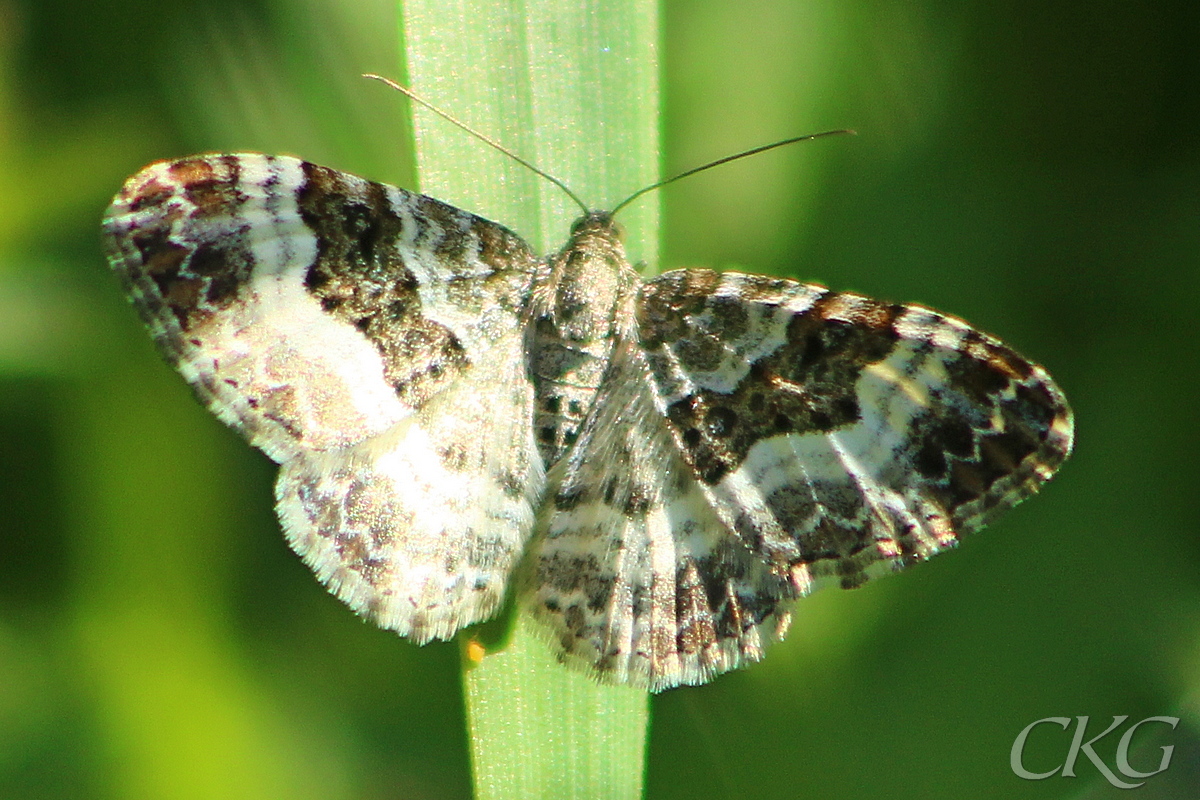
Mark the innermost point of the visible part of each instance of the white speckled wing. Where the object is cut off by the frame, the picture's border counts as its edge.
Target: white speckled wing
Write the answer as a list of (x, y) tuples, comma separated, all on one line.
[(369, 340)]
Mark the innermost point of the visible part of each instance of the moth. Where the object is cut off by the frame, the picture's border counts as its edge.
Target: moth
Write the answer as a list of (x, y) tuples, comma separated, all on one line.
[(657, 468)]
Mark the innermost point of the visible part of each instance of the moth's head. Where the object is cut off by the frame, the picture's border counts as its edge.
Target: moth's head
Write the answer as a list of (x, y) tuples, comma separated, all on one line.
[(597, 223)]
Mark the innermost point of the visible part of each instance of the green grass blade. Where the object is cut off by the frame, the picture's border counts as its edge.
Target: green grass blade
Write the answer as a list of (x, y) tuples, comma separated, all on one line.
[(572, 87)]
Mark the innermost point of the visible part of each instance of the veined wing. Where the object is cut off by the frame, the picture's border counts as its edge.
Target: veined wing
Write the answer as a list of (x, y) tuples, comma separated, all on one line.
[(834, 433), (360, 335), (754, 436)]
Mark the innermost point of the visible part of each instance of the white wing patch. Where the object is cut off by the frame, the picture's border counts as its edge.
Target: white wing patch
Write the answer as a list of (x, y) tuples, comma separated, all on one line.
[(419, 527)]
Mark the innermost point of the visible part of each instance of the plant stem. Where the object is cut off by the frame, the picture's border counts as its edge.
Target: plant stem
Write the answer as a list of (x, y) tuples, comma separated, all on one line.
[(573, 87)]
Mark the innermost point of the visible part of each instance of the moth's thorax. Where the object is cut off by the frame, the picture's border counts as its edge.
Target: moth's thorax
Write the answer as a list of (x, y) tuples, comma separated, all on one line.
[(585, 307)]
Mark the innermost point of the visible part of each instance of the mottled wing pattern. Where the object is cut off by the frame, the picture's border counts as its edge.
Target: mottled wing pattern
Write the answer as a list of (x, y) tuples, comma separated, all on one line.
[(632, 569), (717, 444), (839, 436), (370, 341), (772, 435)]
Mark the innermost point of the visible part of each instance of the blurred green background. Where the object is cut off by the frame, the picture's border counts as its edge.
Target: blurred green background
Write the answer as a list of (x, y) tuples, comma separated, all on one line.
[(1033, 167)]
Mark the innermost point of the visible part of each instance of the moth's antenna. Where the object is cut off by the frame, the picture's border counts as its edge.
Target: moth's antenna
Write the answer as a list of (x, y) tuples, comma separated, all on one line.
[(411, 95), (726, 160)]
